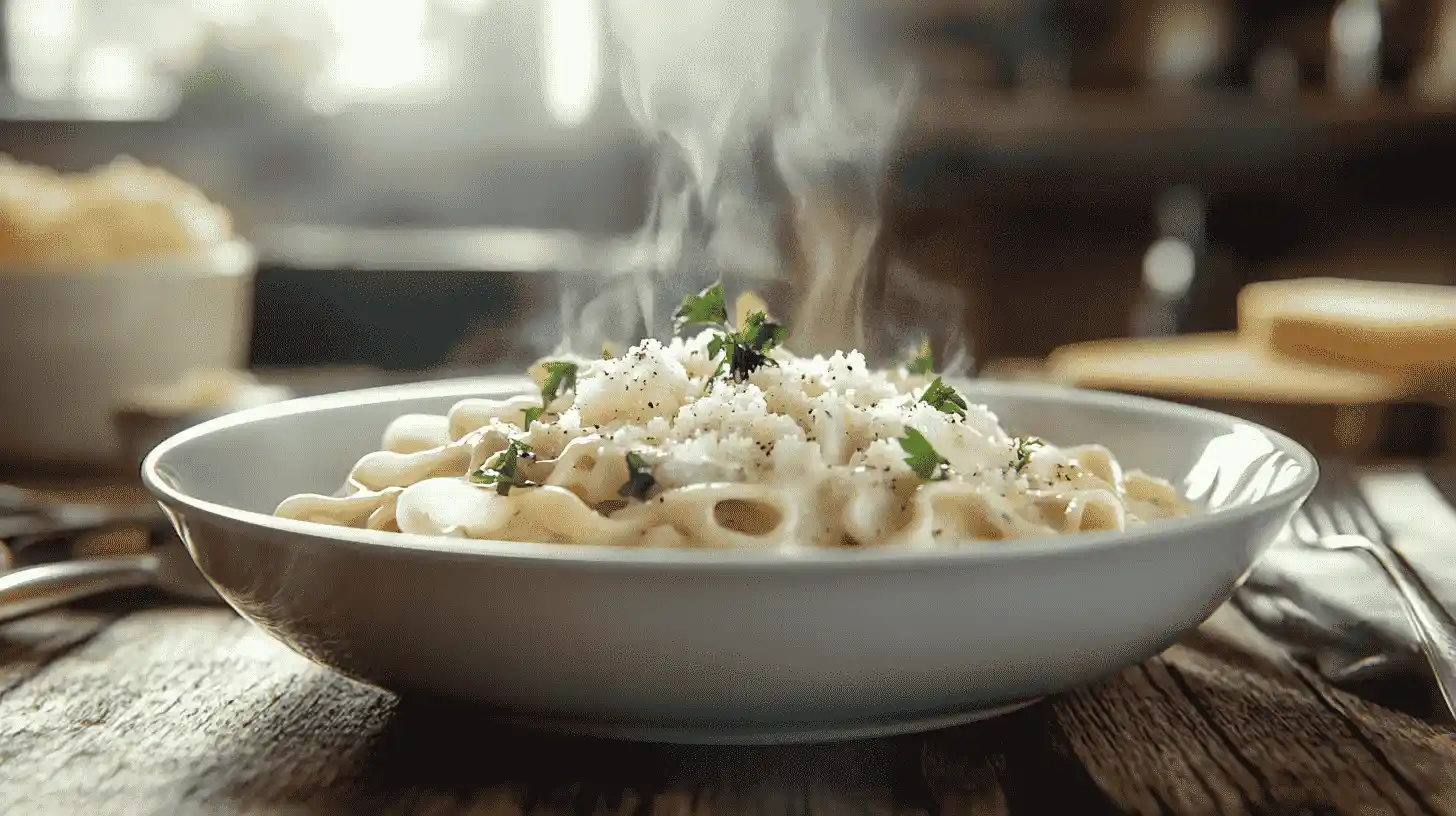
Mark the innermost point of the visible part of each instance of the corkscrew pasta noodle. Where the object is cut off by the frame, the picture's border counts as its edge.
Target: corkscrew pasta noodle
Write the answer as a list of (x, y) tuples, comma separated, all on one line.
[(651, 449)]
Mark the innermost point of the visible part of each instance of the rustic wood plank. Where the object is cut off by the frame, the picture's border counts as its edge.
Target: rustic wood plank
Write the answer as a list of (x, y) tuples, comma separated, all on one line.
[(177, 710), (1280, 747), (1009, 760), (174, 707), (29, 646)]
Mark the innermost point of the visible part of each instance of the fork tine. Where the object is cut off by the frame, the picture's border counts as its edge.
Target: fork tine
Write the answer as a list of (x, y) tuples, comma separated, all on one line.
[(1354, 513), (1365, 519), (1344, 520), (1302, 527), (1321, 519), (1337, 505)]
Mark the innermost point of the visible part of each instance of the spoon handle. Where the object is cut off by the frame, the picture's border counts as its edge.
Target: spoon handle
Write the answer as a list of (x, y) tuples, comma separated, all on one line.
[(29, 590)]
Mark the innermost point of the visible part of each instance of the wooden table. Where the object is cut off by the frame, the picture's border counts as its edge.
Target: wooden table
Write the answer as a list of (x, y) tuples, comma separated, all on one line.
[(190, 710), (134, 707)]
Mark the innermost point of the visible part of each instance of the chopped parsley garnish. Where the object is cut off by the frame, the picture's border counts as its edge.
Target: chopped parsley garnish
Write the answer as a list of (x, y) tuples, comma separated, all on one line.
[(706, 308), (745, 349), (944, 398), (639, 478), (923, 362), (506, 473), (922, 457), (761, 332), (1022, 452), (560, 378)]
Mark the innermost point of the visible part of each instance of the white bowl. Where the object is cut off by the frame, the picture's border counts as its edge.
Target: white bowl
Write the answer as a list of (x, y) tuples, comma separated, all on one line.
[(78, 340), (687, 645)]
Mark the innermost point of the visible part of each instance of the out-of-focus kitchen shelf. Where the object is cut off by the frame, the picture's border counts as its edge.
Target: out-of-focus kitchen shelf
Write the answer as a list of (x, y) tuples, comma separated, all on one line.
[(1085, 116), (306, 247), (319, 247), (139, 109), (1115, 143), (413, 298)]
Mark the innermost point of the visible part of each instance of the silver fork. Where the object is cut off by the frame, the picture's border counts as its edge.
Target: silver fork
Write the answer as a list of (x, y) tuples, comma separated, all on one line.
[(1336, 517)]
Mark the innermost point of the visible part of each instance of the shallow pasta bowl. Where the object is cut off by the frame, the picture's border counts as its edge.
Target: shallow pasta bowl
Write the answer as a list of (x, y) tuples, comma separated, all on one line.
[(725, 646)]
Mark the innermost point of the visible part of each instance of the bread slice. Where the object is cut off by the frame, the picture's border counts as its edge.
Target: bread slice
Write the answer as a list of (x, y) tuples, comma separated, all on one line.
[(1219, 366), (1370, 325)]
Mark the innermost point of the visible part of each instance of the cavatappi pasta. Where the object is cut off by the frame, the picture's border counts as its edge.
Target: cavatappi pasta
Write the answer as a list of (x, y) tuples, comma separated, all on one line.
[(652, 449)]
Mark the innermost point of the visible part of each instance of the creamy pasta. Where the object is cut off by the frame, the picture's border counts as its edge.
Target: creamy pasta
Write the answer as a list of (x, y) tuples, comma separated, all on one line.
[(661, 447)]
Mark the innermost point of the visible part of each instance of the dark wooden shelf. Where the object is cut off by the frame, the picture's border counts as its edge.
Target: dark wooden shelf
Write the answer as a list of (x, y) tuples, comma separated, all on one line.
[(995, 119), (1127, 141)]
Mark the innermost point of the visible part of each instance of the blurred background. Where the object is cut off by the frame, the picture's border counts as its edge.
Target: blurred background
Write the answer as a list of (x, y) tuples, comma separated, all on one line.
[(422, 181)]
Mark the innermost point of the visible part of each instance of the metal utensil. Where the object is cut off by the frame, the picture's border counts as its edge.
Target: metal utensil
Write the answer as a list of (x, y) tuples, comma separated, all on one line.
[(1337, 518), (71, 519), (167, 568), (37, 529)]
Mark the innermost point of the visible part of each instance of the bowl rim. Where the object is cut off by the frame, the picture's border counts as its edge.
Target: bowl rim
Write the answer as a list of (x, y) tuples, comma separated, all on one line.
[(172, 498)]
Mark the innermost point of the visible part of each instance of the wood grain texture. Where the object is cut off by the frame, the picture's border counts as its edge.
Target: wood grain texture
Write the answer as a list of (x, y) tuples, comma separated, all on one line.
[(178, 711)]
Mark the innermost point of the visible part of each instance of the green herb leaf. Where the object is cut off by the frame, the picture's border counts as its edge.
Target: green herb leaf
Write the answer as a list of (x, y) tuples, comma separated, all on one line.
[(943, 398), (606, 352), (640, 480), (742, 360), (717, 372), (762, 333), (922, 363), (922, 457), (532, 414), (506, 472), (744, 350), (560, 378), (1022, 452), (703, 309)]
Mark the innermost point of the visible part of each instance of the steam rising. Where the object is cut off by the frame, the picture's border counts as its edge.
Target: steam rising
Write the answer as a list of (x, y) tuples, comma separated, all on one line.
[(773, 131)]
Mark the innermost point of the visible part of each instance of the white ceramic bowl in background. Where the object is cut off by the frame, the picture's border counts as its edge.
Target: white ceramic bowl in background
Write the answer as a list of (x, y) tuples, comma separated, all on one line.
[(691, 645), (78, 340)]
